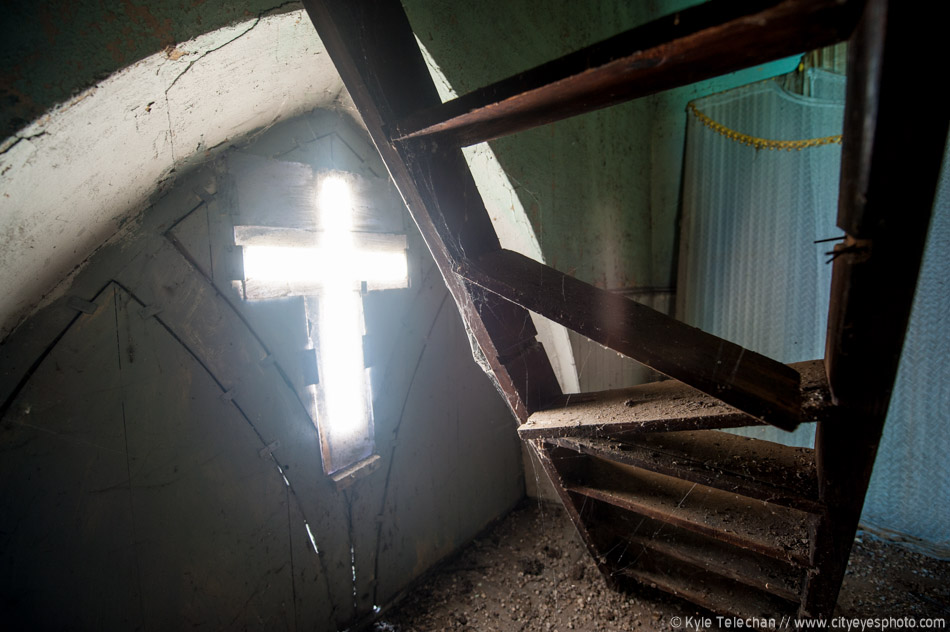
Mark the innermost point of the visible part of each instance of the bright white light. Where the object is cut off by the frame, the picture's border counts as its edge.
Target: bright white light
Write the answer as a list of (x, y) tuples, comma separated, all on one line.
[(333, 270), (340, 340), (336, 261), (324, 265), (340, 327), (381, 267), (313, 540), (335, 205), (282, 264)]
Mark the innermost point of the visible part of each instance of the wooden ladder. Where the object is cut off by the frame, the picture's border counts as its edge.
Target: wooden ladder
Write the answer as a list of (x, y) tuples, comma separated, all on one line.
[(661, 497)]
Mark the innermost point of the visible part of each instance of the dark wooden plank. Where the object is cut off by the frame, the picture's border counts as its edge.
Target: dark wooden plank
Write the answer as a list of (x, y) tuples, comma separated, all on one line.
[(375, 51), (655, 407), (634, 536), (688, 46), (664, 407), (722, 596), (778, 532), (558, 463), (756, 385), (890, 165), (758, 469)]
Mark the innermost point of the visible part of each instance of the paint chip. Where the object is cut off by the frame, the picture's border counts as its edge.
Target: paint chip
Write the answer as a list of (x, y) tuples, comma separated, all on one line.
[(173, 53)]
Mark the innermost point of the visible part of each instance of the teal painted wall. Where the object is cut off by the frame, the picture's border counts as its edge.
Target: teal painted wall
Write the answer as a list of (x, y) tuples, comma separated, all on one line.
[(601, 190)]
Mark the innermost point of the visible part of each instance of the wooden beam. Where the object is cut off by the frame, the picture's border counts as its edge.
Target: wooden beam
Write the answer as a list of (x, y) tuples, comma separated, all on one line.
[(759, 386), (559, 463), (890, 166), (701, 42), (375, 51), (708, 590)]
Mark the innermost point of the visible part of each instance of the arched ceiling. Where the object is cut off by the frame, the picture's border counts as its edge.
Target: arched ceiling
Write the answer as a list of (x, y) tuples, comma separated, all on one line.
[(52, 50), (77, 175)]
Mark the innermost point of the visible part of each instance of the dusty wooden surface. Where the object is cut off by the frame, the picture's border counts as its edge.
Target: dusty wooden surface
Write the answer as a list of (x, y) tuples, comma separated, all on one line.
[(757, 469), (664, 406), (770, 530), (710, 590), (637, 536), (760, 386), (690, 45)]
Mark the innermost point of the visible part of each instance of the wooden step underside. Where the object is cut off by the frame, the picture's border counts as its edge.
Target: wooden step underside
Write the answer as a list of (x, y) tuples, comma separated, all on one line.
[(625, 538), (772, 530), (713, 592), (757, 469)]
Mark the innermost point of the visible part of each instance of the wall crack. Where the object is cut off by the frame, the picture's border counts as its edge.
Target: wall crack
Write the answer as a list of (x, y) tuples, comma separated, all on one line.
[(13, 141), (253, 25)]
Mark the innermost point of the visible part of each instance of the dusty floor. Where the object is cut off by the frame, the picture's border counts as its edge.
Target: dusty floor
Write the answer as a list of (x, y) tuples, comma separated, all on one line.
[(531, 572)]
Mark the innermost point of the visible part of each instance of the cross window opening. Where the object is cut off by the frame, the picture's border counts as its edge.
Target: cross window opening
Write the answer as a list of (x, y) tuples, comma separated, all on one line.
[(331, 268)]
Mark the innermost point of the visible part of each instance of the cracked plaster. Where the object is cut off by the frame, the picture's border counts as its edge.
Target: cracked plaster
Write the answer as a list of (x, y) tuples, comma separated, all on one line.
[(74, 178)]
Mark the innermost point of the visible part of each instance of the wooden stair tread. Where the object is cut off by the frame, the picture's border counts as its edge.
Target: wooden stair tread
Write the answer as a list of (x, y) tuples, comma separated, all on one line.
[(635, 536), (665, 406), (758, 469), (374, 48), (711, 591), (778, 532)]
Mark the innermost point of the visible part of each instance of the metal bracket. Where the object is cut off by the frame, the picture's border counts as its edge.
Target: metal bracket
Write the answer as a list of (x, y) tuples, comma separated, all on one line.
[(148, 311), (81, 305), (204, 195)]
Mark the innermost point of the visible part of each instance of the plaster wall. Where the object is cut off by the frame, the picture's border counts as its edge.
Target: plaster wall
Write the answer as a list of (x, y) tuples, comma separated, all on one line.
[(75, 176), (159, 466), (53, 50)]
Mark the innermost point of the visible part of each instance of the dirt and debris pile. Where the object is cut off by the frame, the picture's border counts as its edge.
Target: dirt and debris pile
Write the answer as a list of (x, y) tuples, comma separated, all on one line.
[(532, 573)]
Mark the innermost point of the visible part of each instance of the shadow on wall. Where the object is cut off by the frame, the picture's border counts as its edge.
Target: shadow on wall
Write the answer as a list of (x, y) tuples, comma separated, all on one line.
[(159, 464)]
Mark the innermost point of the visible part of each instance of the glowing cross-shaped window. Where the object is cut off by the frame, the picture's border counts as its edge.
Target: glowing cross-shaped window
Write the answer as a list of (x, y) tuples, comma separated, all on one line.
[(332, 268)]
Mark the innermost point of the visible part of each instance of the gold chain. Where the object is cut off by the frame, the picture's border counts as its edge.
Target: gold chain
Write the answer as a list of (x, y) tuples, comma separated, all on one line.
[(762, 143)]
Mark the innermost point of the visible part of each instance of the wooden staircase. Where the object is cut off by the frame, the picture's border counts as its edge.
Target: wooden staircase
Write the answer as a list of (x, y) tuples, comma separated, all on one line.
[(728, 522), (659, 495)]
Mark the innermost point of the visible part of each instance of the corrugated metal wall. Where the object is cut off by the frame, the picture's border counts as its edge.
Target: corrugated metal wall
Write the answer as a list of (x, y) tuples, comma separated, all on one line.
[(751, 272), (910, 488)]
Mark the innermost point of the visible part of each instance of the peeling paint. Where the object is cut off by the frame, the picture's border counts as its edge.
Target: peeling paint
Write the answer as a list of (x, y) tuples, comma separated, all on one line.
[(108, 148), (53, 50)]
